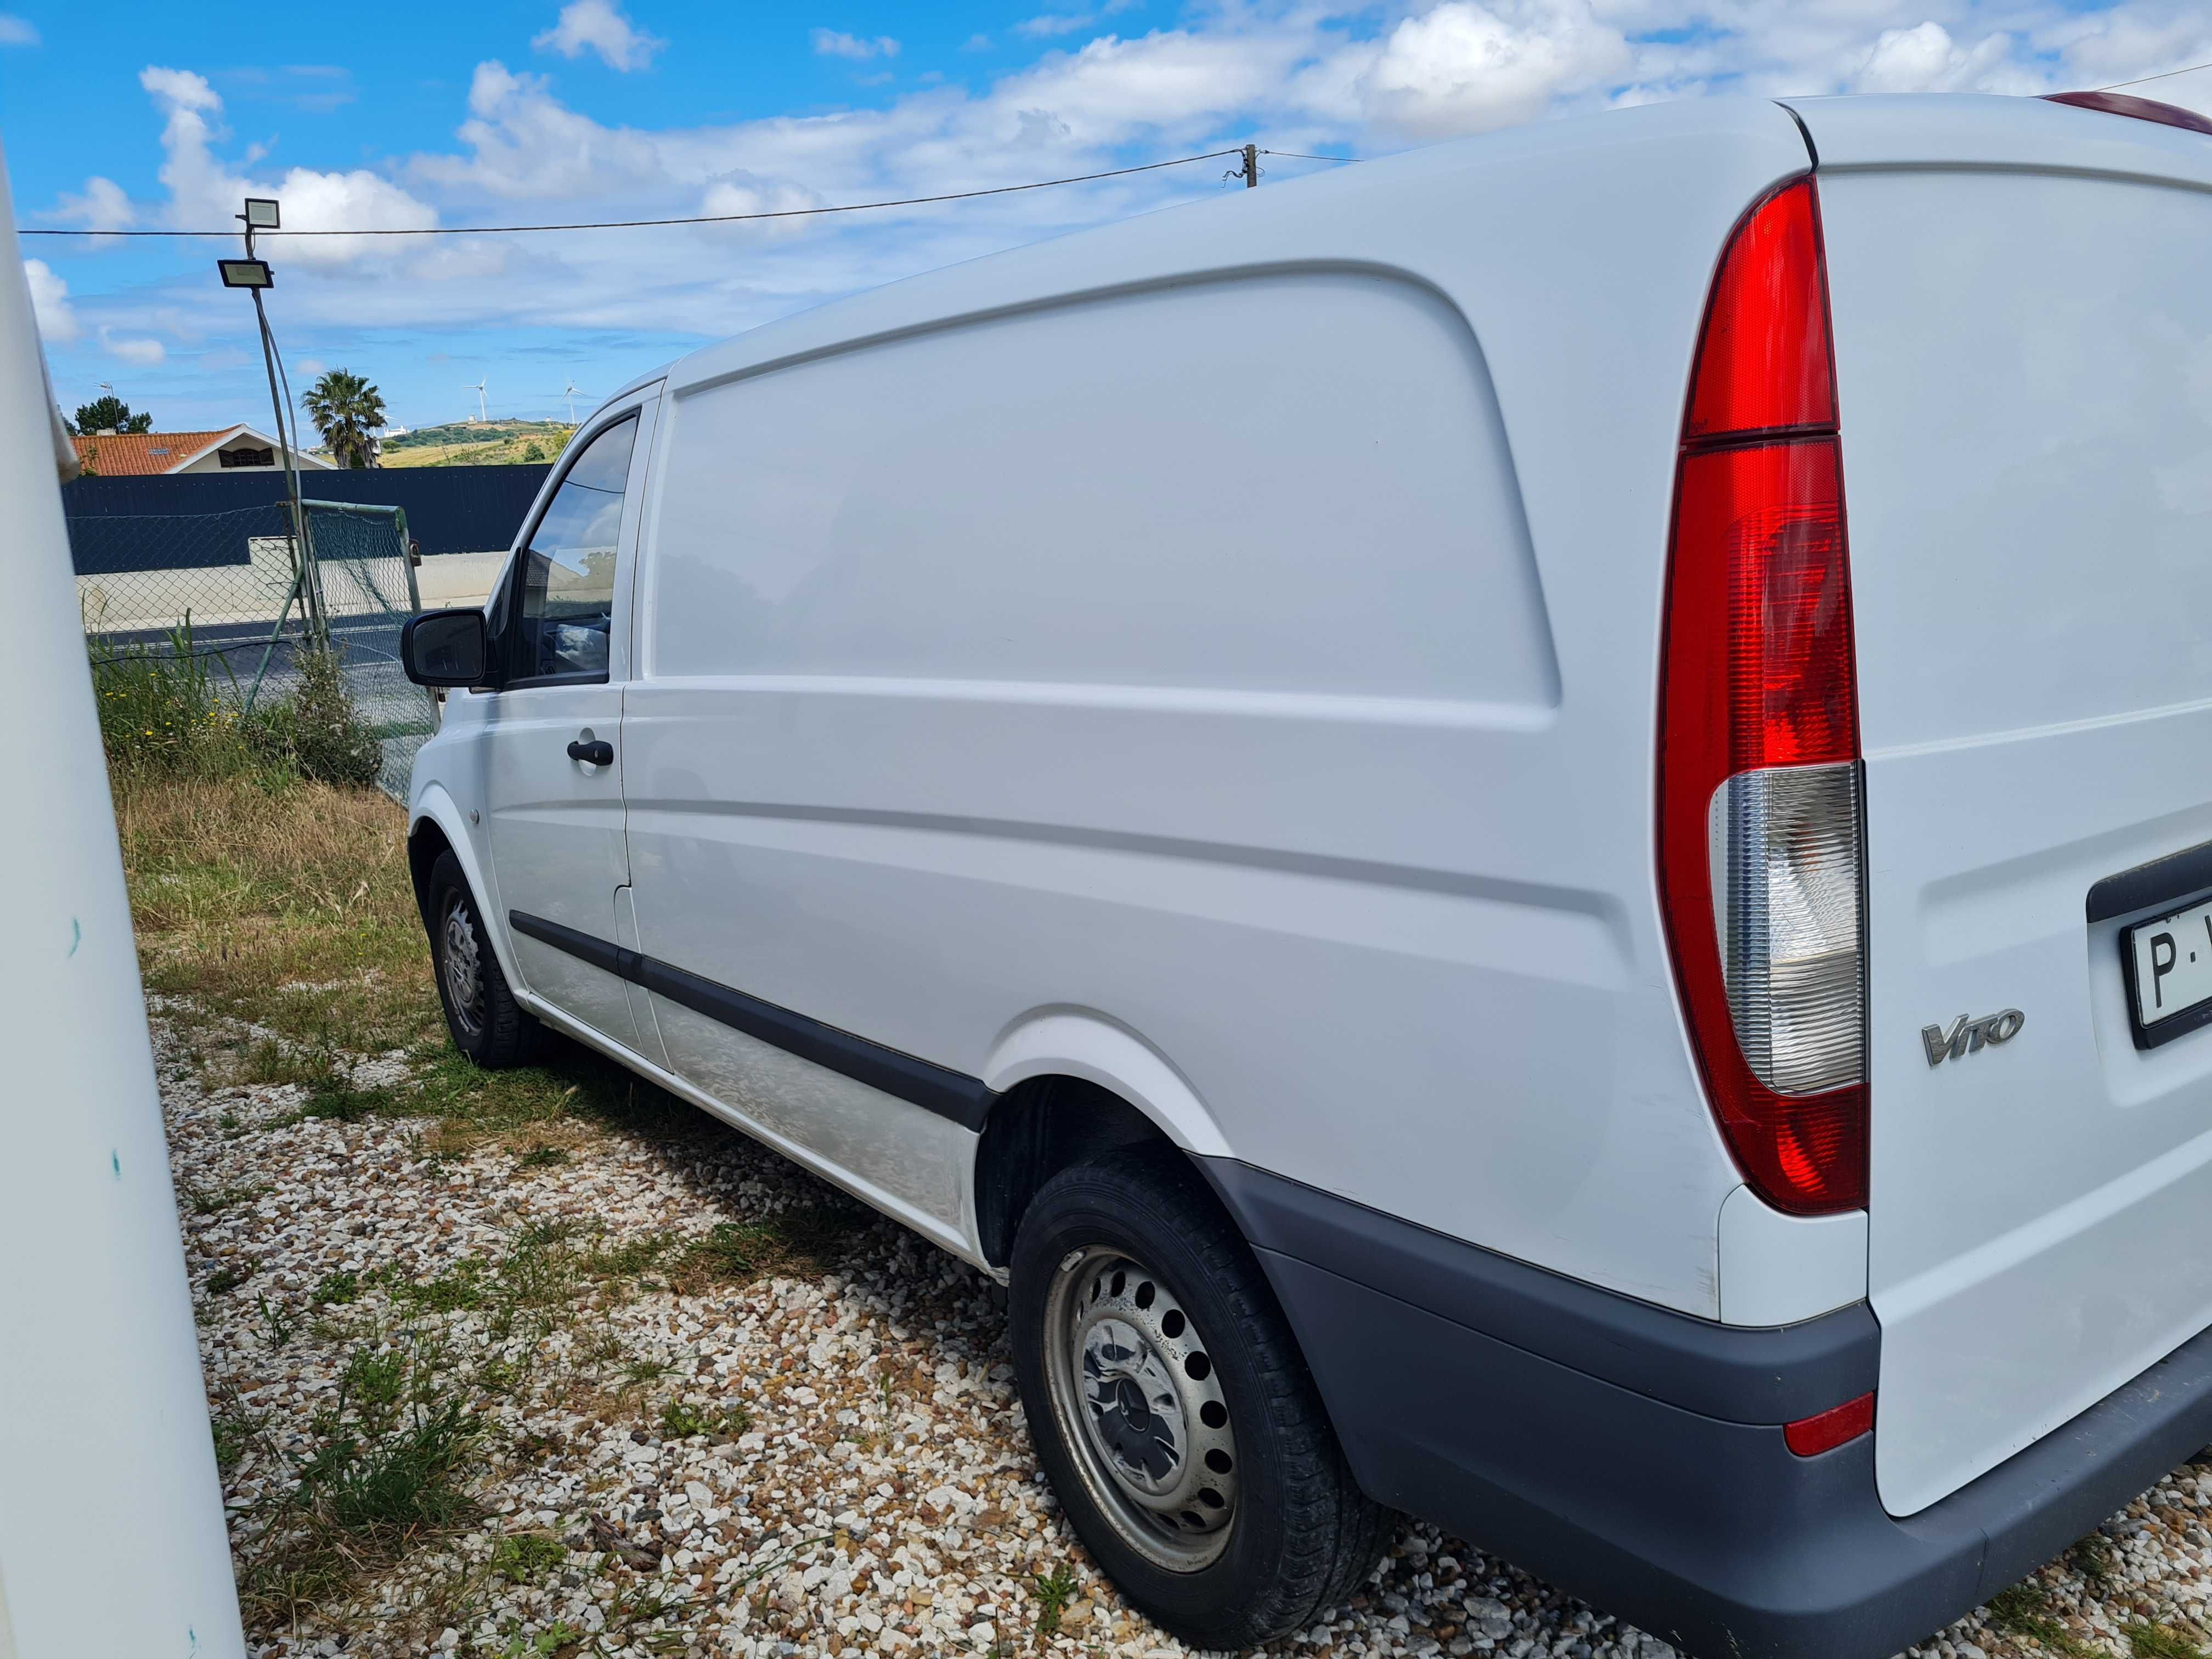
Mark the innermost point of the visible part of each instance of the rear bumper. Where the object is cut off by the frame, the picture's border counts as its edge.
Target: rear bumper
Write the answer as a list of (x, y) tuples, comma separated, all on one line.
[(1634, 1457)]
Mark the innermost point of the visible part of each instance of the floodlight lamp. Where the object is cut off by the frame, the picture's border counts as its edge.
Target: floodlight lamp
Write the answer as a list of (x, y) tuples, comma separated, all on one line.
[(260, 213), (246, 273)]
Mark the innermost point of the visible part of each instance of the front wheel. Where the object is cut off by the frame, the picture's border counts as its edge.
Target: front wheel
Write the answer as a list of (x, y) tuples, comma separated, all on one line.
[(482, 1016), (1172, 1411)]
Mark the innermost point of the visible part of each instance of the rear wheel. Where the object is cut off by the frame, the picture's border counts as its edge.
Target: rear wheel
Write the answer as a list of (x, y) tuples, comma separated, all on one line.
[(482, 1016), (1172, 1411)]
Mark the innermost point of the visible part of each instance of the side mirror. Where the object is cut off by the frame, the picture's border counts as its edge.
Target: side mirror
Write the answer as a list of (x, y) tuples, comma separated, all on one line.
[(446, 647)]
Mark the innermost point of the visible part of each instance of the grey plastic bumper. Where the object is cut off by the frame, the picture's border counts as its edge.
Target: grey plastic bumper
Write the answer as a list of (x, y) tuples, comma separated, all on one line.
[(1634, 1457)]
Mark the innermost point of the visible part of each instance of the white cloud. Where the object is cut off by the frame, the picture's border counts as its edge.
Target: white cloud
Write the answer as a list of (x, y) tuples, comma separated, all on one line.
[(833, 43), (1925, 58), (102, 206), (17, 31), (204, 192), (599, 25), (140, 353), (1465, 67), (49, 304), (976, 42), (1047, 24)]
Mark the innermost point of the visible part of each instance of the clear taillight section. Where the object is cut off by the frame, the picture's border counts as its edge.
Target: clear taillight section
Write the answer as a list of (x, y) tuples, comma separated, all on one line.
[(1789, 922), (1760, 859)]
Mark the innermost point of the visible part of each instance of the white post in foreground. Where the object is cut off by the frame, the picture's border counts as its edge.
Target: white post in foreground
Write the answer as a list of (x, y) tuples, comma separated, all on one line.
[(111, 1540)]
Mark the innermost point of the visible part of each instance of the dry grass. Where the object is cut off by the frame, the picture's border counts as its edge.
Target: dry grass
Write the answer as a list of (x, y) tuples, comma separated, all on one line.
[(289, 908)]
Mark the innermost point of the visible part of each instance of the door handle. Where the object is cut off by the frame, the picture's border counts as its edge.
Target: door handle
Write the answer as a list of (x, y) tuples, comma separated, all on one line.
[(601, 753)]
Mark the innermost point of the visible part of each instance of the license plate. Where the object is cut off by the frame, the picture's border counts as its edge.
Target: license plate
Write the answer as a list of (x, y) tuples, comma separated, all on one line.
[(2169, 972)]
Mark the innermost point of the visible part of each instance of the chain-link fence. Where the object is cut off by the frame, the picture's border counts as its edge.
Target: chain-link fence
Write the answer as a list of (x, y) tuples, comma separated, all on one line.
[(230, 587)]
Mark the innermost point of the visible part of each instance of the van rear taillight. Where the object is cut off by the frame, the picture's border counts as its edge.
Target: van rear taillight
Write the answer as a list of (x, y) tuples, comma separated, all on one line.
[(1761, 865)]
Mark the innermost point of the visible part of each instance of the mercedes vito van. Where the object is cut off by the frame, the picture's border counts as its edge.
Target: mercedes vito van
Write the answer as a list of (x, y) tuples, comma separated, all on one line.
[(1524, 833)]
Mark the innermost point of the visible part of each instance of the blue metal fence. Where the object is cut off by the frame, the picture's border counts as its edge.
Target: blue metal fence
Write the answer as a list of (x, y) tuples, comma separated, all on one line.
[(450, 509)]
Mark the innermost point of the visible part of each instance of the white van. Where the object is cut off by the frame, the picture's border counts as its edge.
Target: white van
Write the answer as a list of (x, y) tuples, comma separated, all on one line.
[(1308, 781)]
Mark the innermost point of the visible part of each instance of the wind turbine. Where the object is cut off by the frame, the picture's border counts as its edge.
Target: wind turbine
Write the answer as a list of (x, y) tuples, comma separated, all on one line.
[(478, 388), (571, 392)]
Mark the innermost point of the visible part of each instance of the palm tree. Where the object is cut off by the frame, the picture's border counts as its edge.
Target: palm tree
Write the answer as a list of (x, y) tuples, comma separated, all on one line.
[(345, 409)]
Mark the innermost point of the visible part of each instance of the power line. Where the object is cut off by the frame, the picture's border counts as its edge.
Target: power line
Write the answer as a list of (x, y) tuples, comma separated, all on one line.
[(1294, 155), (2168, 75), (695, 219)]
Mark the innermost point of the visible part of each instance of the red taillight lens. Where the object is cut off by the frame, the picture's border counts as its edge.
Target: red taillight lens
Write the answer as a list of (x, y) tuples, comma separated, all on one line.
[(1760, 864), (1760, 607), (1763, 364), (1808, 1436)]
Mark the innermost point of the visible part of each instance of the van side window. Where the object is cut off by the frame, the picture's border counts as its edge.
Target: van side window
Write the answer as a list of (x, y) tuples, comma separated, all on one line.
[(565, 589)]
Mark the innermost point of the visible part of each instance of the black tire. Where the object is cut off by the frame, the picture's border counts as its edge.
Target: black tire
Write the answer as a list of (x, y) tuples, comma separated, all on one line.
[(482, 1016), (1299, 1534)]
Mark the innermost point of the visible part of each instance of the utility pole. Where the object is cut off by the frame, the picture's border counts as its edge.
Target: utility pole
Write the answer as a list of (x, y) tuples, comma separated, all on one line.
[(253, 275), (1251, 168)]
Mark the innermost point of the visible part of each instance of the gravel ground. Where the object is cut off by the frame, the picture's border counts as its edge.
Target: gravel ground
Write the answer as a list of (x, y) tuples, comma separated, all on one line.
[(660, 1453)]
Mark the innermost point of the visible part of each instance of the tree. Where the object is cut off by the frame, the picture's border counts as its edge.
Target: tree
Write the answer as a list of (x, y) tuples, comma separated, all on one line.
[(345, 409), (109, 410)]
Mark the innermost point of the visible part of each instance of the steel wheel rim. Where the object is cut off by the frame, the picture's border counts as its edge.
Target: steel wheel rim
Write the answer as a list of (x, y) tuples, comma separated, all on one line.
[(1138, 1402), (461, 967)]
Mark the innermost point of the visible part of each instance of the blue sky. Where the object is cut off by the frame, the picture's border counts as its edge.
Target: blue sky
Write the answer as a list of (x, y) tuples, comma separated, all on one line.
[(507, 112)]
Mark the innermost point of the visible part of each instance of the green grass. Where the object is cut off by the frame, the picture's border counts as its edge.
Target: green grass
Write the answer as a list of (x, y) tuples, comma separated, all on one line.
[(2149, 1640), (680, 1420), (2025, 1610), (214, 1201), (738, 1252)]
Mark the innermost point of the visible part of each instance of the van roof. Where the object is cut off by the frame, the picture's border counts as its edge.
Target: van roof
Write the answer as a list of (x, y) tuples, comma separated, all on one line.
[(1247, 229)]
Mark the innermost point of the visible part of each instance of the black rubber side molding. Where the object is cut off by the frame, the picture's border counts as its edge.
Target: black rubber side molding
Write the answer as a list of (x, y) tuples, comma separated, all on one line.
[(922, 1083)]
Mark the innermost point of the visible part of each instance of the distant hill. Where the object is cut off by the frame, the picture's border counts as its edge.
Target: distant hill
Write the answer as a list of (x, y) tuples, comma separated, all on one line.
[(477, 443)]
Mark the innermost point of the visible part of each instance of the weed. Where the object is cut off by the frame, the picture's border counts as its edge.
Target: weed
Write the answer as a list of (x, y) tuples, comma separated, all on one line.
[(335, 1290), (222, 1199), (526, 1557), (1054, 1591), (533, 1288), (555, 1637), (388, 1469), (233, 1431), (392, 1454), (630, 1258), (223, 1280), (275, 1324), (543, 1158), (333, 1094), (316, 731), (2025, 1610), (169, 709), (639, 1372), (2092, 1557), (453, 1292), (680, 1420), (2149, 1640)]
